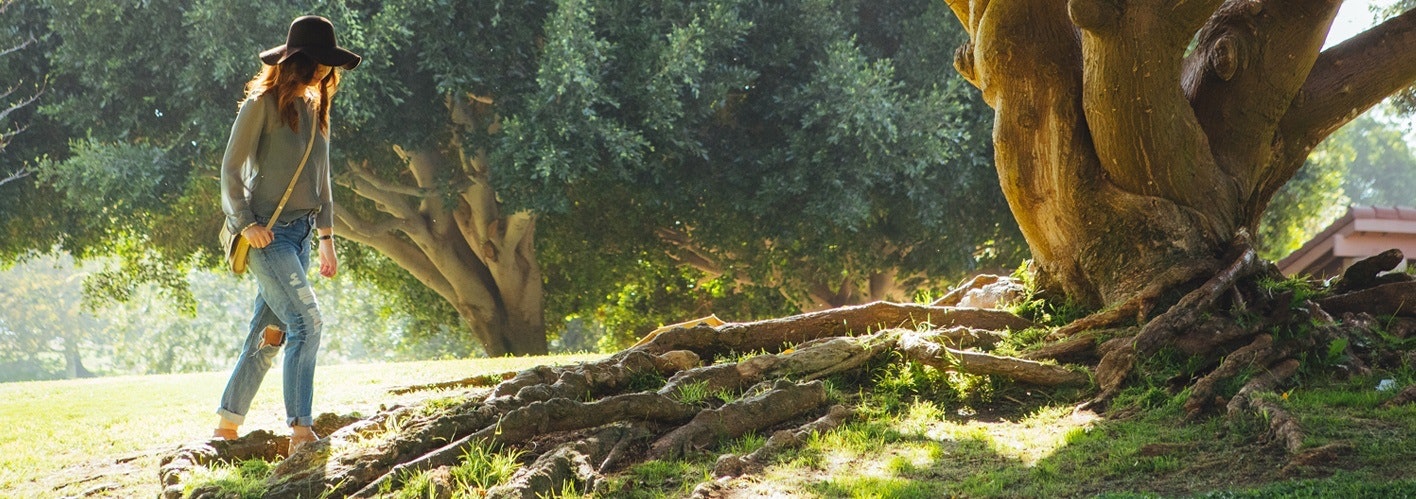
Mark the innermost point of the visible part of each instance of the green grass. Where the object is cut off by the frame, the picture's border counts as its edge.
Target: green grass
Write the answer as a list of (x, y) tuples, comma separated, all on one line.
[(105, 435), (924, 448), (918, 433)]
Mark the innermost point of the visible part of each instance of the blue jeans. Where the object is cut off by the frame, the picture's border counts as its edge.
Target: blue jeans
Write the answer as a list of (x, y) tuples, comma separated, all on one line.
[(286, 301)]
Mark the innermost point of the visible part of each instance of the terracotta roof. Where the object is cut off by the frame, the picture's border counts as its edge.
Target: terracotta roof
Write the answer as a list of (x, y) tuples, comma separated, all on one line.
[(1367, 219)]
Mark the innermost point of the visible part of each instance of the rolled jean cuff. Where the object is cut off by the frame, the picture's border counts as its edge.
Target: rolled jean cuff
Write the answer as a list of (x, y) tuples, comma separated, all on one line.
[(301, 421), (231, 416)]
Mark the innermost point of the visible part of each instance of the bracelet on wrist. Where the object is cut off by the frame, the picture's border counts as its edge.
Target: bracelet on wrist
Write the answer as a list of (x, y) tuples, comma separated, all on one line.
[(326, 237)]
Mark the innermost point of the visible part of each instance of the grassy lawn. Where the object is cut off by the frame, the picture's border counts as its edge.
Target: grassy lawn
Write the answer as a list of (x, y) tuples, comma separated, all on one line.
[(103, 437), (1017, 443), (917, 433)]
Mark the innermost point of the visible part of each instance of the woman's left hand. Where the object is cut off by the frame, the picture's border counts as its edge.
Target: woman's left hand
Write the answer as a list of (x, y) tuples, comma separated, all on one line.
[(329, 263)]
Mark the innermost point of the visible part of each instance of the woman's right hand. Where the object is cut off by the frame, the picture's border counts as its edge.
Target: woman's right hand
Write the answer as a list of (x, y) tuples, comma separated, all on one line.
[(258, 235)]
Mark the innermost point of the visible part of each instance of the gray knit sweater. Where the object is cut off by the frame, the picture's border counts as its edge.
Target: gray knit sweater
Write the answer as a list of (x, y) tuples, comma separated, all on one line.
[(261, 156)]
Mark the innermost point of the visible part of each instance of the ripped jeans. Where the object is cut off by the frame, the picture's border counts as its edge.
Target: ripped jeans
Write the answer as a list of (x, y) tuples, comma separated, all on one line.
[(286, 301)]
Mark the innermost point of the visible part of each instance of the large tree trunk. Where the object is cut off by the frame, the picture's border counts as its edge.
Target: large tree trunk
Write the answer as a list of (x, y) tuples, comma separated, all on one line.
[(456, 239), (1124, 158)]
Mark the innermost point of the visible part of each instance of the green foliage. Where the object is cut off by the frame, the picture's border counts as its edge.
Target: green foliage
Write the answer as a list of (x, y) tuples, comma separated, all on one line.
[(1403, 102), (1366, 162), (707, 119), (45, 310), (45, 333), (645, 380), (779, 108), (610, 315)]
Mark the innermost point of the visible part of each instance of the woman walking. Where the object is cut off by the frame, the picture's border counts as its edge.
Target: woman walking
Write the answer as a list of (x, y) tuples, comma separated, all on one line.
[(277, 166)]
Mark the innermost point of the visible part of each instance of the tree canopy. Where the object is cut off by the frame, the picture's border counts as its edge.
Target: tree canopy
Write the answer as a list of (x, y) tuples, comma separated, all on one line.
[(693, 125)]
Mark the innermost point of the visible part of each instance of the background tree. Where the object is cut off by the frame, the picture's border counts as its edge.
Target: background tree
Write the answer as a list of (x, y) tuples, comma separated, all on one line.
[(595, 97), (1405, 100), (1366, 162), (15, 40), (26, 220), (836, 112), (44, 331)]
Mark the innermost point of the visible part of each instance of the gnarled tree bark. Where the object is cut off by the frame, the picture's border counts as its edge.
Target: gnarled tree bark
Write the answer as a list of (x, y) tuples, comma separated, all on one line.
[(1123, 156), (457, 240)]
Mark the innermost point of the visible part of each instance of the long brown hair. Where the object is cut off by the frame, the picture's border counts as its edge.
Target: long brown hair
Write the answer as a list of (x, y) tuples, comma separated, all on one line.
[(292, 80)]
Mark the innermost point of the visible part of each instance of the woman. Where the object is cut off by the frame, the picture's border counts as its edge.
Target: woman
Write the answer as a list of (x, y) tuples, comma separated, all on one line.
[(282, 128)]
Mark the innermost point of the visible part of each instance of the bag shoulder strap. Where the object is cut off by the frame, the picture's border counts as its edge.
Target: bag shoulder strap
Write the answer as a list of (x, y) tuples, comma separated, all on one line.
[(314, 127)]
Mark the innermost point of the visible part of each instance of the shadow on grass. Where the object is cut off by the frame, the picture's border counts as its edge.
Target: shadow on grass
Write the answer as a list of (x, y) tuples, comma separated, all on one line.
[(1149, 453)]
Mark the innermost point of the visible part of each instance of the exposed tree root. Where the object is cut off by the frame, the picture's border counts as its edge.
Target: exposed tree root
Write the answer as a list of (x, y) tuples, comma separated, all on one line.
[(1139, 305), (785, 401), (773, 335), (1189, 310), (1406, 396), (1397, 298), (1265, 382), (730, 465), (538, 418), (575, 463), (479, 381), (1365, 273), (686, 389), (1118, 362), (1282, 425), (1202, 392), (954, 296), (256, 445), (923, 349)]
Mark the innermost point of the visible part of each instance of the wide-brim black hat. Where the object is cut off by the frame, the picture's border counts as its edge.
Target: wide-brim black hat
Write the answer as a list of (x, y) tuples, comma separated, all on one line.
[(314, 37)]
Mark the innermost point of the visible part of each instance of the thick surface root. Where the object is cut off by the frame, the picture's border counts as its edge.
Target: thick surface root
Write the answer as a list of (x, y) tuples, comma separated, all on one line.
[(775, 334), (783, 402), (1406, 396), (687, 389), (730, 465), (926, 350), (592, 418), (576, 463)]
